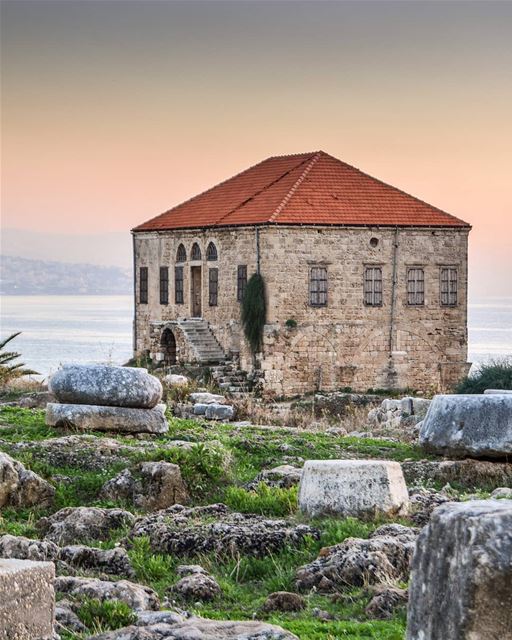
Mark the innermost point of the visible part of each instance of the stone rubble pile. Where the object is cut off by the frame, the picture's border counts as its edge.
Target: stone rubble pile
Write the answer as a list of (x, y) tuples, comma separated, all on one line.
[(106, 398), (399, 414), (202, 404)]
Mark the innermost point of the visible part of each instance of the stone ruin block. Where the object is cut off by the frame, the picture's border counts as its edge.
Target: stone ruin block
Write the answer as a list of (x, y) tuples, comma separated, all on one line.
[(477, 426), (27, 599), (88, 417), (355, 488), (461, 584)]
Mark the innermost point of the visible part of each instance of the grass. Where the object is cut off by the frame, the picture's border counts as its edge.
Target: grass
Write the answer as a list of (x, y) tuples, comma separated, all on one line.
[(222, 460)]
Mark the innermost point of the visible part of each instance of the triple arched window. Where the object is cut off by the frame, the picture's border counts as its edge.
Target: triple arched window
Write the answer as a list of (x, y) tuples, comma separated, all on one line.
[(211, 252)]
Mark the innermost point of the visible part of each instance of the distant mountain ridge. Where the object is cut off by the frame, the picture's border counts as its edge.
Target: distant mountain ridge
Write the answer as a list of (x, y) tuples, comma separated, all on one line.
[(22, 276), (107, 249)]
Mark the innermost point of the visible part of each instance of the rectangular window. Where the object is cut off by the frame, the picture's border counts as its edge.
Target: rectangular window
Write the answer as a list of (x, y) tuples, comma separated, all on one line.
[(178, 285), (164, 285), (143, 285), (318, 287), (241, 281), (213, 286), (373, 286), (415, 286), (448, 286)]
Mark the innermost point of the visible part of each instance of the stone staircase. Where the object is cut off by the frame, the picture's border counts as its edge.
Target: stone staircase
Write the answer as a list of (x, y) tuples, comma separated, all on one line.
[(232, 380), (204, 343)]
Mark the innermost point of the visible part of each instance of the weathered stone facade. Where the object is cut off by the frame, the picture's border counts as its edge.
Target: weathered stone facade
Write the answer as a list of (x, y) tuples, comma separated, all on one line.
[(342, 344)]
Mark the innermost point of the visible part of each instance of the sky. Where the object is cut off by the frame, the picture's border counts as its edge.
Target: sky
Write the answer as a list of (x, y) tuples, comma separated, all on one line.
[(113, 111)]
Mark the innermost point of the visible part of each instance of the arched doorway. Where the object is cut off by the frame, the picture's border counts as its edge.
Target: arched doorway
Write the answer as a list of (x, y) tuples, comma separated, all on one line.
[(168, 345)]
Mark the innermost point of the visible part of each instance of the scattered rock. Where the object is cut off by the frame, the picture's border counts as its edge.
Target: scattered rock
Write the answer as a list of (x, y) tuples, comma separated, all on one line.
[(26, 549), (114, 562), (477, 425), (84, 451), (202, 397), (498, 391), (383, 558), (385, 602), (137, 596), (66, 619), (199, 409), (190, 531), (77, 524), (423, 502), (219, 412), (150, 487), (197, 586), (352, 488), (284, 601), (321, 614), (468, 474), (502, 493), (106, 385), (175, 380), (462, 573), (285, 476), (36, 400), (188, 569), (98, 418), (195, 628), (22, 488)]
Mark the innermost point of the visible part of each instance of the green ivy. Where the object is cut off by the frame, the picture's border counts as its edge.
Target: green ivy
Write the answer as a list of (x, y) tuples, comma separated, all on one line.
[(254, 311)]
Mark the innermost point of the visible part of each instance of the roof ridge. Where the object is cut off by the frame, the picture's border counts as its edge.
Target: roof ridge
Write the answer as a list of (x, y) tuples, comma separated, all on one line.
[(202, 193), (267, 186), (294, 187), (386, 184)]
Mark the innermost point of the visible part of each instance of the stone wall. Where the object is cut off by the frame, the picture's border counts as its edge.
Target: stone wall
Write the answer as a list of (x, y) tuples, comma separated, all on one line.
[(344, 344)]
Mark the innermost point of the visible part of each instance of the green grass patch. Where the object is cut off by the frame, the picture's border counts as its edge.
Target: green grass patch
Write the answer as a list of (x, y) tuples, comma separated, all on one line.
[(265, 500)]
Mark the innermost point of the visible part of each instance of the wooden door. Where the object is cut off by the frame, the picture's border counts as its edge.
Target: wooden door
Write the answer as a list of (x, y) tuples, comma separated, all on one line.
[(195, 280)]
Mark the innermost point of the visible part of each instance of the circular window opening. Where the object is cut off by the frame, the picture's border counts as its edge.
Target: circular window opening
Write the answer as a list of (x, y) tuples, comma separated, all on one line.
[(374, 242)]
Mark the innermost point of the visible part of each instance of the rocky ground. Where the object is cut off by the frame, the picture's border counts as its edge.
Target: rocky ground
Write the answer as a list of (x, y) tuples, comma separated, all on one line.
[(176, 534)]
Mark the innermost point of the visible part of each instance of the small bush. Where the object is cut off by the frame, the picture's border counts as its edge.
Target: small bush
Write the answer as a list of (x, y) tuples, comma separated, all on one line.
[(103, 616), (496, 374), (291, 323)]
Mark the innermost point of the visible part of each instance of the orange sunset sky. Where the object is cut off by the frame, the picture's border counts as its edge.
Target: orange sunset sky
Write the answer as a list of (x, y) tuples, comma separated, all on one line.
[(113, 111)]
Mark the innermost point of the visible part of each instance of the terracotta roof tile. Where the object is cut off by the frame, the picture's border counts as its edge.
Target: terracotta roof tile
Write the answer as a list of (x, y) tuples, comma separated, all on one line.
[(308, 188)]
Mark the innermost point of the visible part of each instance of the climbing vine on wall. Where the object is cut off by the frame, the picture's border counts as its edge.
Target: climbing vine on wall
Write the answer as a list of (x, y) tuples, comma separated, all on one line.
[(254, 311)]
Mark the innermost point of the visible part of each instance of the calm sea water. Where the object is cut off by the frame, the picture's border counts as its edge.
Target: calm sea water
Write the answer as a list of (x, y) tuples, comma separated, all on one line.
[(59, 329)]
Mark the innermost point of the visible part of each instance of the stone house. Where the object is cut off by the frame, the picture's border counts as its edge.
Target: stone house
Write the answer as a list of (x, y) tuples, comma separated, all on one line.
[(366, 285)]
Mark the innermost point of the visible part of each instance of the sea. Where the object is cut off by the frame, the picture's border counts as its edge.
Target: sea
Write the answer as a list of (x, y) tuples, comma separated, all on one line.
[(90, 329)]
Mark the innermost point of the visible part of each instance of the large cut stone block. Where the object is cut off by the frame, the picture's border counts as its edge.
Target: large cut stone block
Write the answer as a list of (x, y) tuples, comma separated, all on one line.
[(105, 385), (352, 488), (479, 426), (461, 585), (27, 599), (94, 418)]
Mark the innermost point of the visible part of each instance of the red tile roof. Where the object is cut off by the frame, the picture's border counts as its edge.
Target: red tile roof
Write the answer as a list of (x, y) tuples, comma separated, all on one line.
[(308, 188)]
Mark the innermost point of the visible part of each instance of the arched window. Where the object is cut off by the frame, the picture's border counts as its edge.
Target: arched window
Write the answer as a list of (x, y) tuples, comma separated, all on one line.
[(181, 255), (196, 252), (211, 252)]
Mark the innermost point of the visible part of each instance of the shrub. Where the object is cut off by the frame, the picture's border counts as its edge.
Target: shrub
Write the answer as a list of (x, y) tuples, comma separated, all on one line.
[(8, 370), (291, 323), (496, 374), (254, 311), (101, 616)]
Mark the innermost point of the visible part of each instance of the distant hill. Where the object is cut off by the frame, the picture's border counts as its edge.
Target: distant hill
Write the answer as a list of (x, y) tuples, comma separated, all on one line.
[(21, 276), (106, 249)]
